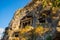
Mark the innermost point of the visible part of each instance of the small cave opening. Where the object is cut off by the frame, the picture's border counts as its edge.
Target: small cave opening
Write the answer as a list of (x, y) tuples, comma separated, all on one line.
[(16, 34)]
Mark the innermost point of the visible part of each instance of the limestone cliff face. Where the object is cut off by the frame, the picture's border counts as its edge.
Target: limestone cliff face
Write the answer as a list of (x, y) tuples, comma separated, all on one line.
[(20, 13), (34, 9)]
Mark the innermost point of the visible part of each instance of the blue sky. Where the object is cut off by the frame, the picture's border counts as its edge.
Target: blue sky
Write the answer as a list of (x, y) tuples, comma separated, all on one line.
[(7, 10)]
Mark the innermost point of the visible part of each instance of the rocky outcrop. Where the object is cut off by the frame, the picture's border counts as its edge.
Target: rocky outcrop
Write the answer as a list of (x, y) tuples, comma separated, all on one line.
[(37, 12)]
